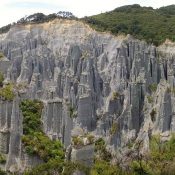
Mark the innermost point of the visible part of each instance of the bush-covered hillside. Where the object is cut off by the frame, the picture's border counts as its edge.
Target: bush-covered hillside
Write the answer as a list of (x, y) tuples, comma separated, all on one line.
[(152, 25)]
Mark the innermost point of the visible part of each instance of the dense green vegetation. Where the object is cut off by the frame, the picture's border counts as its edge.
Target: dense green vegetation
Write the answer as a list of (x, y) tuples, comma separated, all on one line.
[(71, 167), (152, 25), (34, 140), (158, 162), (48, 168), (55, 167), (31, 111), (162, 156), (105, 168)]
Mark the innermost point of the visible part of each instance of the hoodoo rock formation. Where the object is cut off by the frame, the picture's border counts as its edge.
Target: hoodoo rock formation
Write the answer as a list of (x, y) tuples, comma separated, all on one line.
[(118, 88)]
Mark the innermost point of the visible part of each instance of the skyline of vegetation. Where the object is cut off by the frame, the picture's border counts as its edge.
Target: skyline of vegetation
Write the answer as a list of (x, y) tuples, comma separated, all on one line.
[(144, 23)]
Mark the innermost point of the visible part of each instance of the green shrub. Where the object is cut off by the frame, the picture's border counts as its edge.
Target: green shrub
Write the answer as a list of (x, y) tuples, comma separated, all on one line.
[(77, 141), (105, 168), (150, 99), (141, 168), (49, 168), (163, 151), (115, 95), (162, 155), (99, 144), (58, 167), (40, 144), (31, 110), (71, 167), (6, 93)]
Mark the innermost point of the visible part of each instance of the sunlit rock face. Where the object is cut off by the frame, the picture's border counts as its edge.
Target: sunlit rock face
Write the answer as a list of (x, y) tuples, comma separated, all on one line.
[(118, 88)]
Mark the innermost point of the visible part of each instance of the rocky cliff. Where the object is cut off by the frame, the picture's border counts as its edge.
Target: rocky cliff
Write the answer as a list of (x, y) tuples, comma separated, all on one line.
[(118, 88)]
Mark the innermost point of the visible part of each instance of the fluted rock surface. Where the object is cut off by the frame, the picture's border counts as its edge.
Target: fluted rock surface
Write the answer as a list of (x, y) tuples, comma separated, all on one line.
[(89, 80)]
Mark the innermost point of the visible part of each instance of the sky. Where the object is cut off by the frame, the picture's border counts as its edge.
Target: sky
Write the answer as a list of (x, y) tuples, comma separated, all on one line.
[(13, 10)]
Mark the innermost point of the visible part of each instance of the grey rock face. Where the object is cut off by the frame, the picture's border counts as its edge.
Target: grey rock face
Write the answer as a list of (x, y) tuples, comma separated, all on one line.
[(86, 79), (83, 155)]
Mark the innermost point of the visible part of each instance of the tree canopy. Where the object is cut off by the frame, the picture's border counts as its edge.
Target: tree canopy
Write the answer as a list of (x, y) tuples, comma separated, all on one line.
[(145, 23)]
